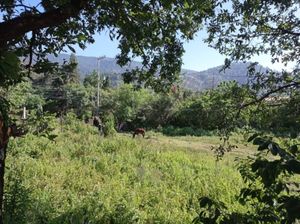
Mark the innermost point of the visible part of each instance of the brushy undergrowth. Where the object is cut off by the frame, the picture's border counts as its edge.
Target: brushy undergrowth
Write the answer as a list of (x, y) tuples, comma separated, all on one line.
[(84, 178)]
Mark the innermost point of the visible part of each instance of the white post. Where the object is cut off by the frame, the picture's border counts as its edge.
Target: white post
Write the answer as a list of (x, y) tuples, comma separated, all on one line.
[(24, 116)]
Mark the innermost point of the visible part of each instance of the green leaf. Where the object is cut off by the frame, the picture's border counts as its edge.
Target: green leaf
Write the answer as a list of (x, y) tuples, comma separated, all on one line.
[(293, 149), (252, 137), (71, 49), (258, 141), (263, 146), (205, 201), (293, 165), (274, 148)]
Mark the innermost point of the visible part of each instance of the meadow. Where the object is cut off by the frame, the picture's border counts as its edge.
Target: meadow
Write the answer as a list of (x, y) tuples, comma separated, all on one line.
[(82, 177)]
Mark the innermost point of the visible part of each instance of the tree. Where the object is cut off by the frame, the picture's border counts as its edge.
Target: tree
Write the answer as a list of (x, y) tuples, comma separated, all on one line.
[(79, 99), (91, 80), (240, 30), (214, 109), (153, 30), (148, 29), (73, 73), (124, 103)]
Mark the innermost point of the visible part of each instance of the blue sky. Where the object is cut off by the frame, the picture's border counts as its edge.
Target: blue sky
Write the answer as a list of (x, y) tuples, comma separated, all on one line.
[(198, 56)]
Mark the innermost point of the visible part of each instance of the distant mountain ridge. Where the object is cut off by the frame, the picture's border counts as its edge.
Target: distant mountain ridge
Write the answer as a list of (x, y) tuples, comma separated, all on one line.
[(191, 79)]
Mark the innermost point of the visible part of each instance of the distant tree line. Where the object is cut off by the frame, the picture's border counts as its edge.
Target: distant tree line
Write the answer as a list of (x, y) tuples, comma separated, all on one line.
[(177, 111)]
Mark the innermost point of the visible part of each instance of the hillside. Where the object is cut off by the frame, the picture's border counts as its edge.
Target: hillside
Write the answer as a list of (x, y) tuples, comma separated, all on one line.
[(210, 78), (191, 79)]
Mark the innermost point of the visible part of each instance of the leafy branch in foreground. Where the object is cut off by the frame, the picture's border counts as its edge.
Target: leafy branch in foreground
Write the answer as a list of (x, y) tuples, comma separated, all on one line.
[(271, 190)]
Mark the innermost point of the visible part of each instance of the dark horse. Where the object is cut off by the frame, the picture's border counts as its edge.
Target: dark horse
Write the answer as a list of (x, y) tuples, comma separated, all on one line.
[(138, 131)]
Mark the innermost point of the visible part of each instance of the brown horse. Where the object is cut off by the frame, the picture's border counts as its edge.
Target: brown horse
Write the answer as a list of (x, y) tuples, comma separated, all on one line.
[(138, 131)]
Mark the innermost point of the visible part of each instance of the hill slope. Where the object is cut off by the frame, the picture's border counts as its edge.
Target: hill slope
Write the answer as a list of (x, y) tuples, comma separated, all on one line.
[(191, 79)]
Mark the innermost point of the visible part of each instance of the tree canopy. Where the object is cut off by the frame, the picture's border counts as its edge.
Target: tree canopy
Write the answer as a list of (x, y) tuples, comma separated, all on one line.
[(242, 29), (153, 30)]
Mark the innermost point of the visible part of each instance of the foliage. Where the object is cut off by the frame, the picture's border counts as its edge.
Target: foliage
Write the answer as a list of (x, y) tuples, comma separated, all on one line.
[(4, 109), (17, 197), (109, 125), (159, 110), (285, 115), (79, 99), (189, 115), (10, 71), (124, 102), (247, 27), (91, 80), (41, 124), (72, 70), (83, 177), (65, 93), (270, 189), (243, 29), (149, 30), (23, 94), (214, 109)]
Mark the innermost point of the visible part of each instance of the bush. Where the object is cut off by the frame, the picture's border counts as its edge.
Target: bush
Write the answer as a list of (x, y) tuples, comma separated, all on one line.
[(84, 178), (271, 189), (109, 125)]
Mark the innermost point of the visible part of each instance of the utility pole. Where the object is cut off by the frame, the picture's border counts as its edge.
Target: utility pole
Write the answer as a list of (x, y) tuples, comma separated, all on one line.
[(98, 86)]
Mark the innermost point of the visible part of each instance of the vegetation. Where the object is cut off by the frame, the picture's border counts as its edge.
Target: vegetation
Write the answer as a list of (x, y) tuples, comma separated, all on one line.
[(262, 27), (270, 190), (81, 177), (62, 172)]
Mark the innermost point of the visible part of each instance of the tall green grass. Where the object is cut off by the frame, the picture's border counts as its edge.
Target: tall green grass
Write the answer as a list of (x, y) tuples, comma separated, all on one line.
[(84, 178)]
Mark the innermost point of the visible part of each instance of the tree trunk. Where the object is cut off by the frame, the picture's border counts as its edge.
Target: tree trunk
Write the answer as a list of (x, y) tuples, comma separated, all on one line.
[(4, 136), (2, 171)]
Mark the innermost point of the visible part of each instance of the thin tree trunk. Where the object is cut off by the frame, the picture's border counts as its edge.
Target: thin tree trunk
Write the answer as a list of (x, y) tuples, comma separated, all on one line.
[(2, 171), (4, 135)]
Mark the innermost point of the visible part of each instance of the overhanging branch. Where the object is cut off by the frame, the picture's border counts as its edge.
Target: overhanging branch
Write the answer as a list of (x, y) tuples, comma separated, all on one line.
[(17, 27), (294, 84)]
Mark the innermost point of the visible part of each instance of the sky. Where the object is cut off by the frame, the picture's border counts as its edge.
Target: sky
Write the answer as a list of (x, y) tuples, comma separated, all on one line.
[(198, 56)]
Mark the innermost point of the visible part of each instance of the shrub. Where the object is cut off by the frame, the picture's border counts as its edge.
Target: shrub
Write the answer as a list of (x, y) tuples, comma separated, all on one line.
[(109, 125)]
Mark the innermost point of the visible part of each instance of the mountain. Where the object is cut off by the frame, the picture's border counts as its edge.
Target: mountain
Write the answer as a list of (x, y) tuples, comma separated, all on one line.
[(88, 64), (210, 78), (191, 79)]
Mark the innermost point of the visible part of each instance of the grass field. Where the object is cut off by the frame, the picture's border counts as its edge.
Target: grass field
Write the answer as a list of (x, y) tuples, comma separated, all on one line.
[(84, 178)]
